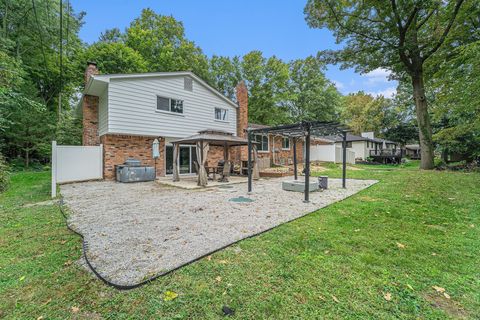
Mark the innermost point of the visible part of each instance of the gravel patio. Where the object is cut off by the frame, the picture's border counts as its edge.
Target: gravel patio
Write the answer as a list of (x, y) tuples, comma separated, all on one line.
[(135, 231)]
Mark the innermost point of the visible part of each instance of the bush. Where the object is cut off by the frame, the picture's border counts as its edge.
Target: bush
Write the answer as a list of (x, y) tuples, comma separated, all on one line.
[(4, 174)]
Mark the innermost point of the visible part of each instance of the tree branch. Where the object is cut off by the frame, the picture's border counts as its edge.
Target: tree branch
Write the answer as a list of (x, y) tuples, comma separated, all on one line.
[(402, 32), (421, 23), (354, 31), (445, 32)]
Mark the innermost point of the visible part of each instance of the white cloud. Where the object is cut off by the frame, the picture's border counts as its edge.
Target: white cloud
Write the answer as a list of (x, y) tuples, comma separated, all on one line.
[(387, 93), (338, 84), (377, 76)]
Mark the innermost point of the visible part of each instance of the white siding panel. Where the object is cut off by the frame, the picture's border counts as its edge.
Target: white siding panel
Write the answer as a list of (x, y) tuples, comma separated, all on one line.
[(133, 108), (103, 114)]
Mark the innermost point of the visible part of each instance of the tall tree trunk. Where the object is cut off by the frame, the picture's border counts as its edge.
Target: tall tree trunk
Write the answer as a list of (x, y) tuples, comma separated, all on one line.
[(423, 120), (27, 158)]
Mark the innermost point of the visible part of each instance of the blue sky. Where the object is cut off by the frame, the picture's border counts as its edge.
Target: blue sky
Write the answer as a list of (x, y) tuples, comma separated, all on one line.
[(234, 28)]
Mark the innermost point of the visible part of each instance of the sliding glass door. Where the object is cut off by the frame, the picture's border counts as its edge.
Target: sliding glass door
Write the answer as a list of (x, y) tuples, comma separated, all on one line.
[(186, 159)]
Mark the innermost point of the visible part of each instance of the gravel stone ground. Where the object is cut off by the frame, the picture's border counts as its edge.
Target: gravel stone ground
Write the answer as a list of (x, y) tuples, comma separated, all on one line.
[(135, 231)]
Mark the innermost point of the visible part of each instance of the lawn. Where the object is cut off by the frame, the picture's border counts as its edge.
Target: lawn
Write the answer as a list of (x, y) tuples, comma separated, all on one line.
[(378, 254)]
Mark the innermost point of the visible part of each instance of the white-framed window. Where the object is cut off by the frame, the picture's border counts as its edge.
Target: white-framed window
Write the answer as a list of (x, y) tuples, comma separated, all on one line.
[(285, 143), (221, 114), (262, 142), (169, 105)]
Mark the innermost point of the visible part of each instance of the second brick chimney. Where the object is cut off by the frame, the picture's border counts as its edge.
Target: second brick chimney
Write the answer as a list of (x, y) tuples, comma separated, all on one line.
[(242, 111), (90, 111)]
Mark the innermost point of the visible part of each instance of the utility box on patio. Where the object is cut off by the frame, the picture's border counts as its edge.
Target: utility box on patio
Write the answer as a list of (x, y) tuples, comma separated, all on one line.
[(299, 186)]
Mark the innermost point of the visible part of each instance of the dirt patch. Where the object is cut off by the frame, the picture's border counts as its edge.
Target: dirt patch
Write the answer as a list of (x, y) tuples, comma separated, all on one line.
[(450, 307)]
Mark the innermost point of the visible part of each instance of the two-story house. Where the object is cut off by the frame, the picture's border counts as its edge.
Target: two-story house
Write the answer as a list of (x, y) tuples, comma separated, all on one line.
[(127, 112)]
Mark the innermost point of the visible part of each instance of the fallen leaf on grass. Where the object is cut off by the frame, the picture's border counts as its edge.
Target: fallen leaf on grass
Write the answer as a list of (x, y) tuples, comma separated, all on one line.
[(63, 241), (446, 295), (22, 278), (209, 258), (169, 296), (40, 318), (218, 279), (67, 263), (356, 230), (400, 245), (472, 226), (335, 299), (439, 289), (409, 287), (387, 296), (434, 254), (223, 261), (75, 309)]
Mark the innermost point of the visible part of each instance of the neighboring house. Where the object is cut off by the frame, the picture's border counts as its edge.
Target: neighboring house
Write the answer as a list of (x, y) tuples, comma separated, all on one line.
[(412, 151), (127, 112), (366, 146)]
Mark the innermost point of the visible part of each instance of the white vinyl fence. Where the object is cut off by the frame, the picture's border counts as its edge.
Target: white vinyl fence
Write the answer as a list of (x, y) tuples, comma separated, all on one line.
[(75, 163), (322, 152), (339, 156), (330, 153)]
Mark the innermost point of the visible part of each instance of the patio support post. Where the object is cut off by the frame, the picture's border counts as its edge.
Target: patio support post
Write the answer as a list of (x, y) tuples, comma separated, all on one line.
[(307, 164), (344, 163), (249, 135), (295, 158)]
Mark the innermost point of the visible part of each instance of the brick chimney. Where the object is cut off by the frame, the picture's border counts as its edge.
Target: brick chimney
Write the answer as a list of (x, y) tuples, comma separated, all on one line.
[(90, 111), (242, 111)]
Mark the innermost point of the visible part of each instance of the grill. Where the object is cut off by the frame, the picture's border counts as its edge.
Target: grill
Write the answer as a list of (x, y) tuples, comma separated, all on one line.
[(133, 171)]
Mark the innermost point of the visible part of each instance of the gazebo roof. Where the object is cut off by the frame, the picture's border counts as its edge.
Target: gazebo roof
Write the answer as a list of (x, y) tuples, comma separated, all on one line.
[(215, 138)]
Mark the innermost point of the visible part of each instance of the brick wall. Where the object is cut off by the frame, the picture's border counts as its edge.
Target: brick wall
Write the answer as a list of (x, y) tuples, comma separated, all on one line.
[(90, 121), (118, 148), (238, 154), (90, 112), (282, 156)]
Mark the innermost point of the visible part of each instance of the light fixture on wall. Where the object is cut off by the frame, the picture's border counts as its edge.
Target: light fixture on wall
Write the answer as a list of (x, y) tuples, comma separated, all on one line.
[(155, 153)]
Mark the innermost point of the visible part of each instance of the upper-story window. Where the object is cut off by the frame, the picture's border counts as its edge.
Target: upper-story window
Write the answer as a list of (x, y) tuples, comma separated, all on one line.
[(221, 114), (348, 144), (170, 105), (286, 143), (262, 142)]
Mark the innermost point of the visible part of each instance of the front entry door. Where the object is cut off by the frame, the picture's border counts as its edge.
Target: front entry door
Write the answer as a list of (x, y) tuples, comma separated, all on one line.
[(186, 159)]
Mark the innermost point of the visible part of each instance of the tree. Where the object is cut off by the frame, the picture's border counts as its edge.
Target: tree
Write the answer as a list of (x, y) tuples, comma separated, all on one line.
[(114, 57), (225, 74), (162, 43), (267, 83), (29, 130), (111, 35), (311, 94), (362, 112), (396, 35), (31, 35), (457, 107)]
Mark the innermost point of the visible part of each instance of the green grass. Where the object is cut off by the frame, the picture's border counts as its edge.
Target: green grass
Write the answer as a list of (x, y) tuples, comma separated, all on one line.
[(348, 251)]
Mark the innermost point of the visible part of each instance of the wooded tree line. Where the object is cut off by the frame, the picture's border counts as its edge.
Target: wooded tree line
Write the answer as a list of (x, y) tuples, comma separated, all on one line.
[(32, 79)]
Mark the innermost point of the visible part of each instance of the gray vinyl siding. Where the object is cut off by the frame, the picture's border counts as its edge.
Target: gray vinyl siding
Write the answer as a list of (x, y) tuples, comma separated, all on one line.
[(132, 108), (103, 114)]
